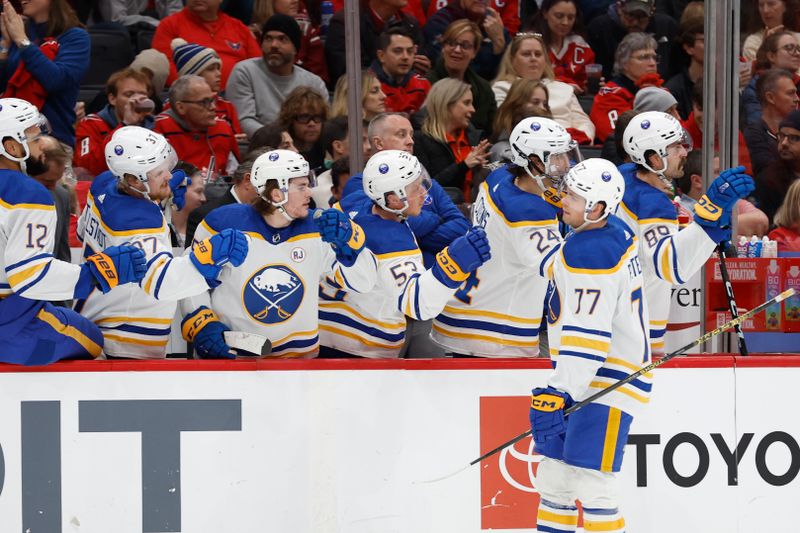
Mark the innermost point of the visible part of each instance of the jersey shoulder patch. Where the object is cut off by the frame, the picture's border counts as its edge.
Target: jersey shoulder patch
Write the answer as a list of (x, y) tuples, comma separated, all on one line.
[(514, 204), (245, 218), (121, 212), (643, 201), (598, 249), (18, 189), (386, 236)]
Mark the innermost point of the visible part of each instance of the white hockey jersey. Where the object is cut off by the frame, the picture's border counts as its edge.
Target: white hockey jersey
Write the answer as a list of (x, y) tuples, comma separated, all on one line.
[(498, 310), (668, 256), (135, 323), (374, 324), (275, 291), (597, 317)]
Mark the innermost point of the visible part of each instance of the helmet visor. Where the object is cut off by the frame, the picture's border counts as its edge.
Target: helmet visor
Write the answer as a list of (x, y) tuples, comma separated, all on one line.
[(684, 142), (420, 186), (559, 162), (165, 167)]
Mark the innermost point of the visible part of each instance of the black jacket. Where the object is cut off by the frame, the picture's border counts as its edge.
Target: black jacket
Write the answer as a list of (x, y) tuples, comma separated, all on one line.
[(440, 162), (482, 96), (197, 216)]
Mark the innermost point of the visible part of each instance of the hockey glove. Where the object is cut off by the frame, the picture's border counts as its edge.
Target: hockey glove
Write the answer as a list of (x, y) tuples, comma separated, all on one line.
[(116, 265), (455, 263), (346, 236), (713, 210), (178, 184), (547, 413), (209, 255), (204, 329)]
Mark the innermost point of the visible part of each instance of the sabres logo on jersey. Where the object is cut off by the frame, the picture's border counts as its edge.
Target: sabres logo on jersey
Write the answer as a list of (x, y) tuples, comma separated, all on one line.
[(553, 305), (479, 213), (273, 294)]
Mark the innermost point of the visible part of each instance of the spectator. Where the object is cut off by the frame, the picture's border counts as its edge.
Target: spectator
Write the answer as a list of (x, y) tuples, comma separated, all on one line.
[(240, 192), (204, 62), (336, 142), (134, 12), (694, 126), (415, 9), (195, 196), (692, 41), (613, 149), (635, 66), (43, 61), (311, 54), (273, 136), (259, 86), (405, 90), (561, 26), (302, 115), (192, 128), (527, 58), (606, 33), (778, 96), (373, 99), (438, 224), (492, 38), (774, 15), (526, 98), (340, 174), (57, 158), (201, 22), (449, 146), (376, 17), (127, 92), (749, 219), (773, 182), (460, 43), (788, 221), (779, 50), (152, 64)]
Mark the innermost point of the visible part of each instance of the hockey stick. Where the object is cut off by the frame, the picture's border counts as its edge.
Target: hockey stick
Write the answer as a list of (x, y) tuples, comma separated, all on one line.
[(723, 269), (248, 345), (652, 366)]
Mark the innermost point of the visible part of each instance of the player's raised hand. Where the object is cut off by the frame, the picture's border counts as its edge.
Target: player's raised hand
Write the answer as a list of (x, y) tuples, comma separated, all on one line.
[(178, 184), (547, 413), (204, 328), (465, 254), (209, 255), (117, 265), (347, 237), (714, 207)]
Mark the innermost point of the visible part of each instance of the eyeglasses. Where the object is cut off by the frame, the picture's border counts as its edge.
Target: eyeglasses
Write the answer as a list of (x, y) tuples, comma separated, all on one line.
[(791, 48), (648, 57), (465, 45), (305, 118), (208, 103), (788, 137)]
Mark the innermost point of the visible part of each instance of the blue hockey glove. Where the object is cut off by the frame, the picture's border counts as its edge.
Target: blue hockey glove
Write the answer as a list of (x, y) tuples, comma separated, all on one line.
[(116, 265), (209, 255), (714, 207), (547, 413), (204, 329), (178, 184), (455, 263), (347, 237)]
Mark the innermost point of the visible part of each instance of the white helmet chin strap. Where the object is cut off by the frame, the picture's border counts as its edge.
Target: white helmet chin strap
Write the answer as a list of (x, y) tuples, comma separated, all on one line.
[(660, 173), (587, 220), (279, 206), (21, 160)]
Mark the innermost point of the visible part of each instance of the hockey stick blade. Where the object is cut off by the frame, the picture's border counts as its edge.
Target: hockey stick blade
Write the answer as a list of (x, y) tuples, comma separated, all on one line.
[(652, 366), (248, 345)]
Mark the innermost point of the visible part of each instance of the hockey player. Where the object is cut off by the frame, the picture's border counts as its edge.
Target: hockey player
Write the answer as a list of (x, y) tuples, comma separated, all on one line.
[(274, 293), (597, 329), (658, 146), (35, 332), (498, 310), (373, 325), (123, 207)]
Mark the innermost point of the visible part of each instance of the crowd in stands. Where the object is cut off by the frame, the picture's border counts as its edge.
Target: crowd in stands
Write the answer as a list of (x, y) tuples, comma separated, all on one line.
[(223, 80)]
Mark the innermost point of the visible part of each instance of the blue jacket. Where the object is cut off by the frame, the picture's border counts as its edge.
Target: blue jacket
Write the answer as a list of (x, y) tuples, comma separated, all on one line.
[(749, 106), (439, 223), (60, 78)]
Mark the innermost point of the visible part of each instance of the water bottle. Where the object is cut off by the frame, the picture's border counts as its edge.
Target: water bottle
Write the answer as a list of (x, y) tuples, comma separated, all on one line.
[(327, 14)]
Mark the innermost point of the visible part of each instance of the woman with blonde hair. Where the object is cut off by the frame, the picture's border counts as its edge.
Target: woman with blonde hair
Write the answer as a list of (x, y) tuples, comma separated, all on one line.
[(373, 99), (527, 58), (448, 145), (788, 221), (460, 43), (526, 98)]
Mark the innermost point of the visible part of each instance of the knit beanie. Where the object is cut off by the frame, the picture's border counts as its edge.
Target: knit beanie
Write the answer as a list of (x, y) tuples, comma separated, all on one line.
[(155, 62), (792, 120), (192, 58), (653, 99), (284, 24)]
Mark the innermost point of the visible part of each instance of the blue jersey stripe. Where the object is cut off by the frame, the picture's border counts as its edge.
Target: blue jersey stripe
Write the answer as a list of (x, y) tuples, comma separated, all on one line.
[(578, 329), (582, 355), (618, 374), (488, 326), (28, 260), (141, 330), (347, 321), (299, 343)]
